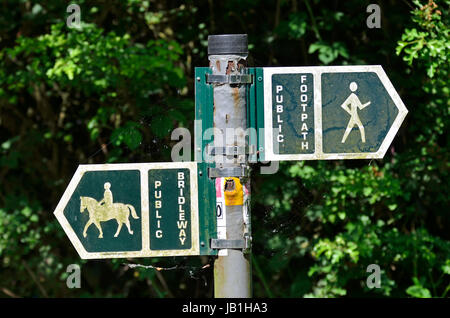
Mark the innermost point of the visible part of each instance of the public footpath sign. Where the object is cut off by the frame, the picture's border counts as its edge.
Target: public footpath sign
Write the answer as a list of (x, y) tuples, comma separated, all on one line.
[(326, 112), (138, 210)]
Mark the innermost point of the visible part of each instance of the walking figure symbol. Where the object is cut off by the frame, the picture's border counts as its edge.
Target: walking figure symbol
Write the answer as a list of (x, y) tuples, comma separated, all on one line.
[(351, 106)]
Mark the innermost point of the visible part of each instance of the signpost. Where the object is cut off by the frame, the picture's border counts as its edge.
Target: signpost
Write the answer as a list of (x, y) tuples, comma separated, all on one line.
[(137, 210), (327, 112), (198, 208)]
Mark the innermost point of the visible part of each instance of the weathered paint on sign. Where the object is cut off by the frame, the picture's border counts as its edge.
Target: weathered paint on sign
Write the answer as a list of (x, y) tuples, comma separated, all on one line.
[(293, 113), (328, 112), (135, 210), (170, 221), (88, 216), (370, 124)]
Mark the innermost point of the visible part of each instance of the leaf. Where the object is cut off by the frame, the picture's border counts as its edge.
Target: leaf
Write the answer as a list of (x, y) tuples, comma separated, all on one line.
[(37, 8), (328, 53), (341, 215), (367, 191), (418, 291), (128, 134), (7, 144), (133, 138), (446, 267), (297, 25), (392, 207)]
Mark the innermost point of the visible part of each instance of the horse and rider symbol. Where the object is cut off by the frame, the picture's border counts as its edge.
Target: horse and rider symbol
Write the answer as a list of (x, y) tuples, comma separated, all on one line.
[(106, 210)]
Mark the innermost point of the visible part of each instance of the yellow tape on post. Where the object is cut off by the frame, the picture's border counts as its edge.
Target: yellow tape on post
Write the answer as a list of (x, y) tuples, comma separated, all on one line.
[(233, 191)]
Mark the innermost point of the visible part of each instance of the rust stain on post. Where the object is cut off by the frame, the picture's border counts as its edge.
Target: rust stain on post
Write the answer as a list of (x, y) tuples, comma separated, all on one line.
[(218, 65), (230, 68), (236, 98)]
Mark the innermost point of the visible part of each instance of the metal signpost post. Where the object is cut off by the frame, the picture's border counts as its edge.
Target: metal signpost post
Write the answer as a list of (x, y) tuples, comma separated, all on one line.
[(202, 207), (227, 56)]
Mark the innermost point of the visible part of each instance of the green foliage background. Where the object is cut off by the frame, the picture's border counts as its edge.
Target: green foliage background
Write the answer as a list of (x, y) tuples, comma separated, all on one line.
[(114, 89)]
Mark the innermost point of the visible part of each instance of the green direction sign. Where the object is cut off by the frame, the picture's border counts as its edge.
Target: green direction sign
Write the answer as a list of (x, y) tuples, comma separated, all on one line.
[(138, 210), (329, 112)]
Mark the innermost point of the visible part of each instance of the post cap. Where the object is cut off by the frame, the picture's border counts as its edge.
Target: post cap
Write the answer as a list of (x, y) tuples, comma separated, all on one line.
[(227, 44)]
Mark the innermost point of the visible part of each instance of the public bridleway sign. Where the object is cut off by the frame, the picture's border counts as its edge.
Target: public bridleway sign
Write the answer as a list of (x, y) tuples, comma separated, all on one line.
[(327, 112), (136, 210)]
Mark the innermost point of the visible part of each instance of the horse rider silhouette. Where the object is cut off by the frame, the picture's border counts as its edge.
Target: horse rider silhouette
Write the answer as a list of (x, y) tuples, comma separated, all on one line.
[(107, 200)]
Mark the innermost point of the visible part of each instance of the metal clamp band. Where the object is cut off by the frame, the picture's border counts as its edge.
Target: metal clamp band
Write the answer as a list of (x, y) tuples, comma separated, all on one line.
[(233, 244), (229, 79), (241, 171), (230, 150)]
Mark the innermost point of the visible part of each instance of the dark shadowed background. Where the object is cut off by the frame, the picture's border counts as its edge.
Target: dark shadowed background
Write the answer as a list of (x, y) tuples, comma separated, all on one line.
[(114, 89)]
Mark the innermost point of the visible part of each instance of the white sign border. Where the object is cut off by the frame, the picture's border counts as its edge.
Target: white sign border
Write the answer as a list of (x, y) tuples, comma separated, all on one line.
[(317, 71), (145, 212)]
